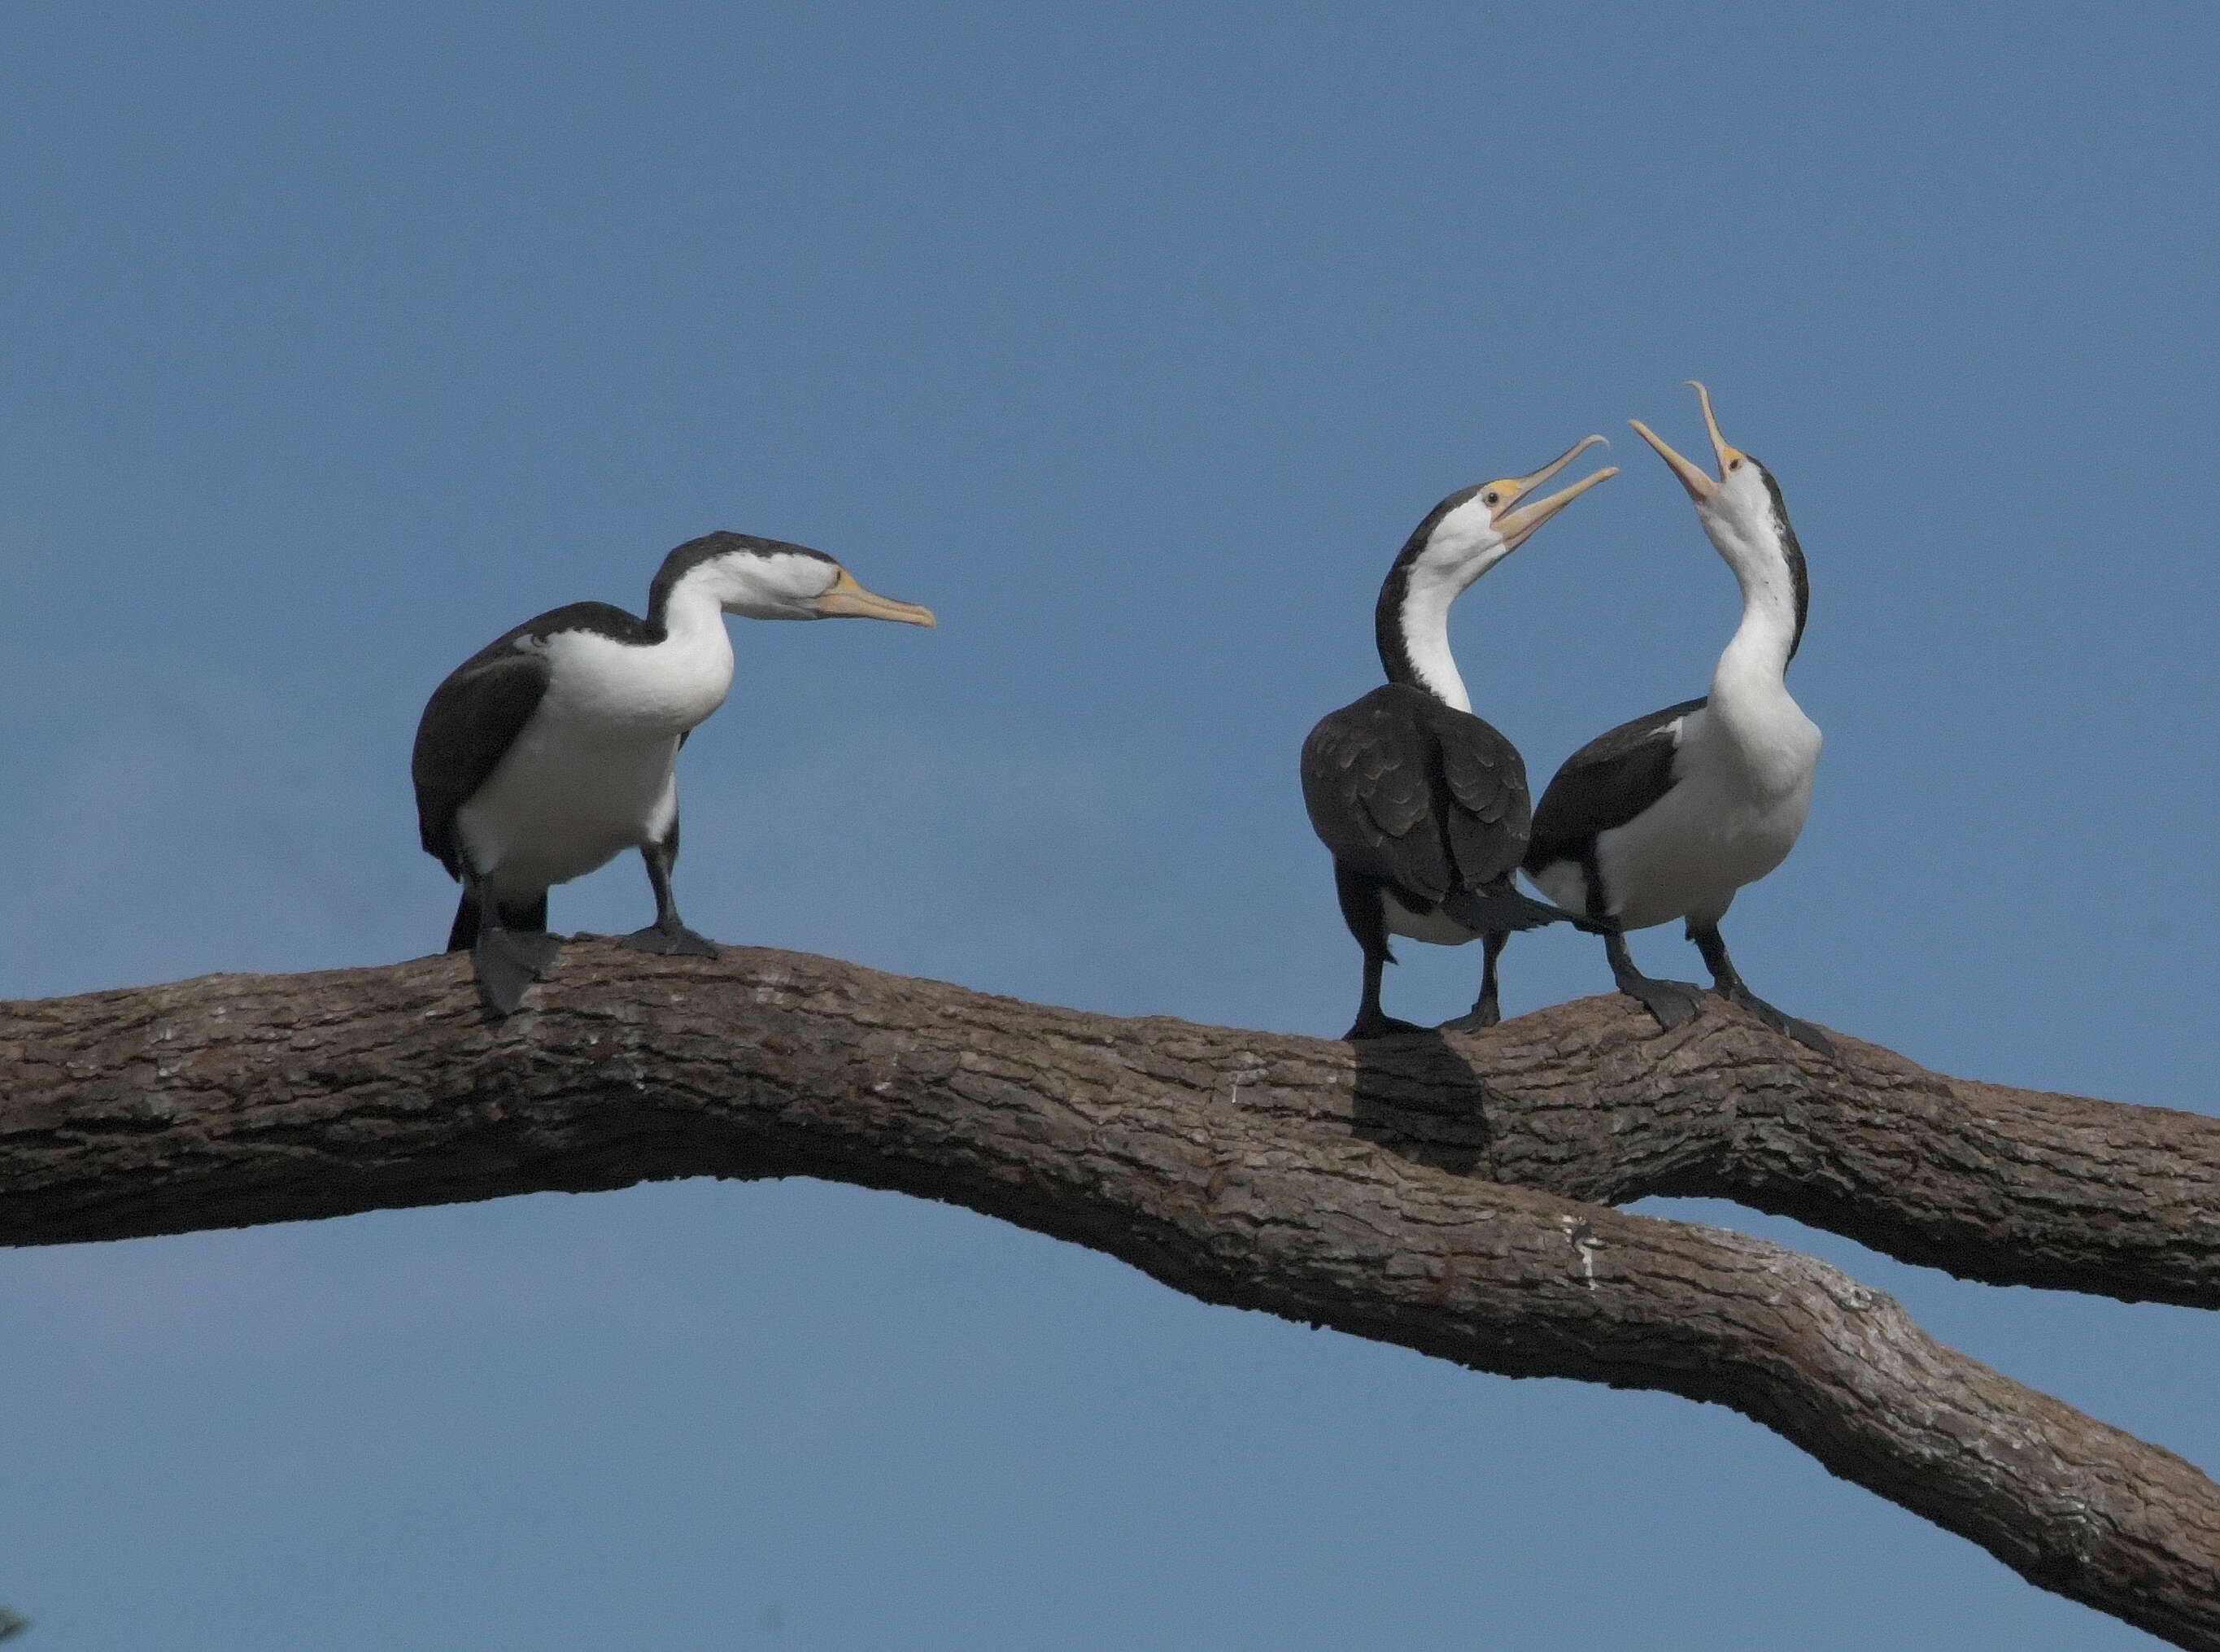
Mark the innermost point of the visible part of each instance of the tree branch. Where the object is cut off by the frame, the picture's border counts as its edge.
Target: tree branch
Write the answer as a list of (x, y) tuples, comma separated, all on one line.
[(2006, 1186), (1423, 1192)]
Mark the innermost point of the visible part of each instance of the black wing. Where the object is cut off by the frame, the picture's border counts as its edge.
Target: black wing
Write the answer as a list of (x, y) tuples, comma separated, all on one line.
[(1414, 793), (474, 716), (1605, 783)]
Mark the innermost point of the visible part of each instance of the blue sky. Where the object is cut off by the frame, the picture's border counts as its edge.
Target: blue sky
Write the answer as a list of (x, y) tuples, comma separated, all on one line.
[(1133, 342)]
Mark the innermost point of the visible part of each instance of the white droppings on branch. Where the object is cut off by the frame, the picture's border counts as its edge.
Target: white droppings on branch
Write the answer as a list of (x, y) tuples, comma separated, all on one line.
[(1582, 1237)]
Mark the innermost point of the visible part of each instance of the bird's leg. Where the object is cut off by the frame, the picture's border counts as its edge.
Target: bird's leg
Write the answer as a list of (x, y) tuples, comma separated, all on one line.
[(667, 936), (1360, 898), (506, 960), (1671, 1001), (1727, 983), (1486, 1010), (1371, 1022)]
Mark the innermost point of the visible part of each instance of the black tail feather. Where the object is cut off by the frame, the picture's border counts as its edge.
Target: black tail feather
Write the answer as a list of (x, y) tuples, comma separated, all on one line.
[(1507, 910), (464, 934)]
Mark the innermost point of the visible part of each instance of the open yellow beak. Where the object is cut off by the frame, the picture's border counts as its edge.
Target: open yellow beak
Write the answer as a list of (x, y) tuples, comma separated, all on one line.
[(1518, 524), (849, 600), (1699, 486)]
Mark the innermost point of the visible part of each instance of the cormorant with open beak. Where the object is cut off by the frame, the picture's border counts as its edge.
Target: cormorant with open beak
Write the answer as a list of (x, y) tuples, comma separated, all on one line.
[(1424, 806), (1668, 816)]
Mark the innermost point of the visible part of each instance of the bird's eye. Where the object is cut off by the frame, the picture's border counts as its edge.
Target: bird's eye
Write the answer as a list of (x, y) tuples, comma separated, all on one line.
[(1492, 497), (1734, 465)]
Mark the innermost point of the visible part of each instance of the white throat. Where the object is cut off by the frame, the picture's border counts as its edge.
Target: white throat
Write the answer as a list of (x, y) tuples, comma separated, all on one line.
[(1754, 663)]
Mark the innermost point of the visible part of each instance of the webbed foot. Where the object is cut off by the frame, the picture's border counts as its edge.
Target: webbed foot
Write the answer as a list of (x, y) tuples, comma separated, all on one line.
[(1478, 1019), (676, 942), (507, 961), (1803, 1032), (1672, 1002)]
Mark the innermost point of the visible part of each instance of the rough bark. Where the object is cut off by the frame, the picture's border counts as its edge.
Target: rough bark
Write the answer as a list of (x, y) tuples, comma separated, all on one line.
[(1448, 1194)]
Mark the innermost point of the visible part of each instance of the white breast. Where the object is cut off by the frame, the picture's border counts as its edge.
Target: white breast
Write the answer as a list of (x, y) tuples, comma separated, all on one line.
[(591, 775), (612, 690), (1743, 789)]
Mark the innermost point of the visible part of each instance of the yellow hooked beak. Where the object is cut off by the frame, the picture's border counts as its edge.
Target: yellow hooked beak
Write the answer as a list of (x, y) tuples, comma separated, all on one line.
[(1517, 524), (1699, 486), (849, 600)]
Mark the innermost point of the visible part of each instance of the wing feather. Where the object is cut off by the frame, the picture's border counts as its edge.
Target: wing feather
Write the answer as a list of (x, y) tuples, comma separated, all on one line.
[(1416, 793), (476, 714), (1604, 784)]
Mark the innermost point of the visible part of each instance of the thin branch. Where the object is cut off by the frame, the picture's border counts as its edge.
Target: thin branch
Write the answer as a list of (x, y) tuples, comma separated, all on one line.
[(1371, 1190)]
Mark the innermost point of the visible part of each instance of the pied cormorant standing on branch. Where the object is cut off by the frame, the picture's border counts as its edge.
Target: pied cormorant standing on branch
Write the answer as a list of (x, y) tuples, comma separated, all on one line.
[(551, 750), (1668, 816), (1424, 806)]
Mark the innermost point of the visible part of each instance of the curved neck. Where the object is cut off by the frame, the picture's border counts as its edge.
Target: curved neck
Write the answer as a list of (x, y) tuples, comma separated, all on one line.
[(1412, 626), (689, 614)]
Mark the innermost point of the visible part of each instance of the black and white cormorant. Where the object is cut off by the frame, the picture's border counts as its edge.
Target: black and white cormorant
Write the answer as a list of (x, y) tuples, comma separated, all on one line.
[(1423, 805), (1668, 816), (550, 750)]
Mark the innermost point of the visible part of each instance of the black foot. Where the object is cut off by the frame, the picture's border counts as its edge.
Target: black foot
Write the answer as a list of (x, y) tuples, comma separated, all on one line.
[(678, 942), (1803, 1032), (1477, 1018), (509, 960), (1671, 1001), (1379, 1026)]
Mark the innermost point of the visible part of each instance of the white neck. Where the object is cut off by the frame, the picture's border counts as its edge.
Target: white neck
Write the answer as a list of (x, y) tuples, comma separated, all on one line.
[(1753, 671), (1425, 624), (1751, 722), (1750, 726), (1755, 664), (694, 624)]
